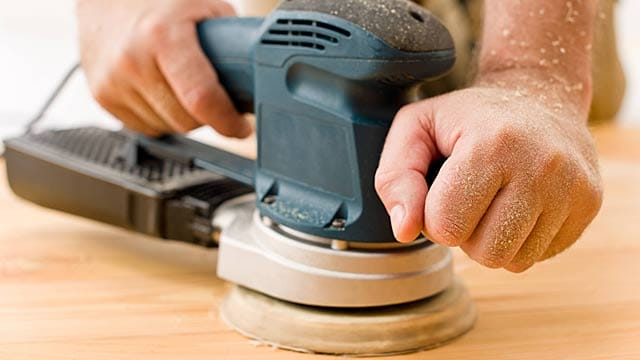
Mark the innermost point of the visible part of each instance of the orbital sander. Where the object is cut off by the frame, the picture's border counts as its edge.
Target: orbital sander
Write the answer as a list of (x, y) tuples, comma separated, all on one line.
[(300, 230)]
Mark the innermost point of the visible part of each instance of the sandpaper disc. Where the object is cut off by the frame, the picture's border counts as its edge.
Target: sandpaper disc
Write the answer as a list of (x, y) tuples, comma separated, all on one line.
[(385, 330)]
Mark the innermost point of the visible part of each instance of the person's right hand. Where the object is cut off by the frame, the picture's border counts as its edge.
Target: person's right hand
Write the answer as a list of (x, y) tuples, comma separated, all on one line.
[(145, 66)]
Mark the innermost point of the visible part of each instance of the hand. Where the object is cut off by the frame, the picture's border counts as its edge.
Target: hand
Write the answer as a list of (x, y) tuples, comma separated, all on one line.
[(521, 181), (144, 64)]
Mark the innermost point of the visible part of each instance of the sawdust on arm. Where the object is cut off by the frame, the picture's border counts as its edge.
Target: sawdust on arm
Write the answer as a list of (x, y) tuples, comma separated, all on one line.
[(521, 180), (549, 38)]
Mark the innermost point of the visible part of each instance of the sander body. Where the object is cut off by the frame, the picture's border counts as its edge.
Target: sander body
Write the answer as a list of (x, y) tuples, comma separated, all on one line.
[(302, 222)]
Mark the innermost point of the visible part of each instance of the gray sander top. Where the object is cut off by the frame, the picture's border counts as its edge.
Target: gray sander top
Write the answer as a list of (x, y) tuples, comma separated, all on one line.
[(400, 23)]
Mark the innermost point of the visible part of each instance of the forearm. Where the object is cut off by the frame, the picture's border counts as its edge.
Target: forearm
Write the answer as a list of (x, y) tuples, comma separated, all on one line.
[(550, 39)]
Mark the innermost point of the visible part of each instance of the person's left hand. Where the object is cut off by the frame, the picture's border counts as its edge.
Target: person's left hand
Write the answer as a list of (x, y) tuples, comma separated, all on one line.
[(521, 181)]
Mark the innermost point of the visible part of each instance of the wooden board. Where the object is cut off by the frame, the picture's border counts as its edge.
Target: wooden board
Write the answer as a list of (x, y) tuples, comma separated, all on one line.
[(75, 289)]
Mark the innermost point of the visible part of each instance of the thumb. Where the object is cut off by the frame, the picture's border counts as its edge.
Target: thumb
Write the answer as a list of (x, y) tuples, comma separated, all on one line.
[(400, 182)]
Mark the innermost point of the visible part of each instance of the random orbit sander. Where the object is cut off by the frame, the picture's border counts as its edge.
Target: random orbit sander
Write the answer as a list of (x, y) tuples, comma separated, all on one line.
[(300, 230)]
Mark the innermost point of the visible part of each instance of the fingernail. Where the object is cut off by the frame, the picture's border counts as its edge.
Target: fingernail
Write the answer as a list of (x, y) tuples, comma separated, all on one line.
[(397, 217)]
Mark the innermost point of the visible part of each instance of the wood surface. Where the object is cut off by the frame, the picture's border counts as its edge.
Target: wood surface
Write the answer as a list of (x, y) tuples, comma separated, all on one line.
[(74, 289)]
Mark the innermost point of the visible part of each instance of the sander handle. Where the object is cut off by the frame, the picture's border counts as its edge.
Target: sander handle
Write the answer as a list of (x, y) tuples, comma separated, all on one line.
[(228, 43)]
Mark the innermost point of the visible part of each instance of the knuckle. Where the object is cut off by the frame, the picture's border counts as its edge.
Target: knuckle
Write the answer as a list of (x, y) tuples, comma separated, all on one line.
[(103, 99), (101, 91), (382, 181), (596, 191), (125, 63), (197, 100), (154, 29), (560, 245), (598, 197), (449, 230), (508, 136), (595, 201), (492, 252), (592, 185), (589, 191), (555, 159), (554, 164), (407, 111)]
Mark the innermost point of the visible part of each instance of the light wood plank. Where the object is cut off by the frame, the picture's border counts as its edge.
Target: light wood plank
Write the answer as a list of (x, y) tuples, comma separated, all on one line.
[(74, 289)]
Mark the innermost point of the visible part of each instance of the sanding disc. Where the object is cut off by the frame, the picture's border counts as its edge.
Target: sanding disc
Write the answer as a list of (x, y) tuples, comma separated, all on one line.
[(385, 330)]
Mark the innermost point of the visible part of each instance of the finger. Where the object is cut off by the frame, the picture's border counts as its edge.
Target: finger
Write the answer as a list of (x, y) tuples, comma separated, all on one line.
[(131, 121), (400, 178), (545, 230), (158, 94), (571, 230), (146, 114), (196, 84), (461, 194), (588, 195), (117, 93), (504, 228)]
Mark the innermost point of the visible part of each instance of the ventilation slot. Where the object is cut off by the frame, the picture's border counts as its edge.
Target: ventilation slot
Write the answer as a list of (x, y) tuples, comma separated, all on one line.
[(398, 79), (309, 45), (304, 33), (333, 28)]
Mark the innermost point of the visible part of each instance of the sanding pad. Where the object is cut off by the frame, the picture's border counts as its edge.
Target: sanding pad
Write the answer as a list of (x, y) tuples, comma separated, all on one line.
[(384, 330)]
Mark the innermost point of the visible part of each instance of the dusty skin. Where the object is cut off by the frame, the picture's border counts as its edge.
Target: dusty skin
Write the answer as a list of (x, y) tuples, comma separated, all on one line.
[(521, 182)]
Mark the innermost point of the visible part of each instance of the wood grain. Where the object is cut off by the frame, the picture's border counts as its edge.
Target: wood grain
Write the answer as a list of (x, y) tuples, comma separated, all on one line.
[(75, 289)]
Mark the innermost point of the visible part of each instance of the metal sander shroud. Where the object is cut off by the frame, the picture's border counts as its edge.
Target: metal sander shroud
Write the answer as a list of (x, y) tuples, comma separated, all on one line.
[(302, 223)]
